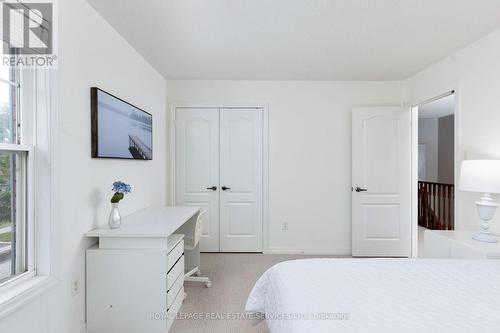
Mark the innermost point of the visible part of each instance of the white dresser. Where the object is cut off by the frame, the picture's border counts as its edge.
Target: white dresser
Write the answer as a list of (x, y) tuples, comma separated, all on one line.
[(135, 275), (458, 244)]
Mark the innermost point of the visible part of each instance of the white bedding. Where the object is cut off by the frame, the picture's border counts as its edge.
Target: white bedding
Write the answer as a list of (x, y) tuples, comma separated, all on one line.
[(380, 295)]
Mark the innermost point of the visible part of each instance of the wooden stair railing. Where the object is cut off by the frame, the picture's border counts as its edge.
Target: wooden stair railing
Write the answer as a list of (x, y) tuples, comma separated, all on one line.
[(436, 205)]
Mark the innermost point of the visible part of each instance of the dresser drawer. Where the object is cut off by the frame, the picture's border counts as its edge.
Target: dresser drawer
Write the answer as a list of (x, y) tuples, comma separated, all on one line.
[(175, 272), (174, 309), (175, 254), (172, 292)]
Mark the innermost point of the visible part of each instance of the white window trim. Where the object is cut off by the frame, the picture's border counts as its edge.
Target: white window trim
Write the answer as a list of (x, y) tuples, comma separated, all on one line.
[(29, 212), (42, 166)]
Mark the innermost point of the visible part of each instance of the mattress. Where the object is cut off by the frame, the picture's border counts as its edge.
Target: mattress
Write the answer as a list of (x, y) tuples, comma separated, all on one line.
[(379, 295)]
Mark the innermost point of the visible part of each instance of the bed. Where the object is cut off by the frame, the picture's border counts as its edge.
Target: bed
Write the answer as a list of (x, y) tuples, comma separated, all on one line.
[(378, 295)]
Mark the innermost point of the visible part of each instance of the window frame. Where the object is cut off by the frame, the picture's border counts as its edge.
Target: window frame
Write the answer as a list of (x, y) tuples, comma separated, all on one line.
[(27, 189), (38, 134), (28, 218), (38, 121)]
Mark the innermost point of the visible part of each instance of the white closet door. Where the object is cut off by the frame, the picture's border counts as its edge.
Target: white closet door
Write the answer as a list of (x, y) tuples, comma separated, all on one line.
[(197, 168), (381, 180), (241, 173)]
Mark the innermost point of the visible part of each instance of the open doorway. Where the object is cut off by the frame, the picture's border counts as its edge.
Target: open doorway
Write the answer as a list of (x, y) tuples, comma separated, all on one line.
[(436, 166)]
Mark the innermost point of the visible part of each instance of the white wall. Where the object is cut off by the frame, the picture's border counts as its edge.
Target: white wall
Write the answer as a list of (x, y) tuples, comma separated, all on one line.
[(475, 73), (446, 149), (92, 54), (428, 135), (310, 162), (437, 135), (310, 152)]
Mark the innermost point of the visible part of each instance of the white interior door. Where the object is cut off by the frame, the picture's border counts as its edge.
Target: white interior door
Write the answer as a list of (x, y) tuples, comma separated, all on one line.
[(381, 180), (241, 180), (197, 168)]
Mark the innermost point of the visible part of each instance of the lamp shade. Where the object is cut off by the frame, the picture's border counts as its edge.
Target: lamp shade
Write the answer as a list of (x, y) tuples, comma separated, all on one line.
[(480, 176)]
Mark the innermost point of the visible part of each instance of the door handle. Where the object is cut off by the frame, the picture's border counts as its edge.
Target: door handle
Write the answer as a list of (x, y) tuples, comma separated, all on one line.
[(225, 188), (359, 189), (213, 188)]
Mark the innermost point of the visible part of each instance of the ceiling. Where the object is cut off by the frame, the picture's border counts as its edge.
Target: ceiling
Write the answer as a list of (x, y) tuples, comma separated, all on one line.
[(439, 108), (298, 39)]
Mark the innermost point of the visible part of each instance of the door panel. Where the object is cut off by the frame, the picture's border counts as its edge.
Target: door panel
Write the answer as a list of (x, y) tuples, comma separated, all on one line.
[(241, 216), (197, 168), (241, 171), (381, 164), (380, 154), (384, 221)]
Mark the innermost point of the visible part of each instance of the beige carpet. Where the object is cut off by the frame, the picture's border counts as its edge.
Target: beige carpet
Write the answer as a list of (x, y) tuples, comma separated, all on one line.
[(233, 276)]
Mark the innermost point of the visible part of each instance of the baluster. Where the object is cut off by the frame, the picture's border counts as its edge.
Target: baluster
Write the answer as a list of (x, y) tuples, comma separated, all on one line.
[(436, 205), (428, 206), (424, 200), (448, 221), (439, 209), (433, 200), (418, 203), (445, 215), (429, 203), (421, 203), (436, 213), (436, 210), (452, 207), (451, 197), (424, 193), (425, 205)]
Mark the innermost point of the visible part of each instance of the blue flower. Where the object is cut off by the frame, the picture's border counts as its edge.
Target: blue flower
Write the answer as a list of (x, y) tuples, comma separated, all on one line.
[(121, 187)]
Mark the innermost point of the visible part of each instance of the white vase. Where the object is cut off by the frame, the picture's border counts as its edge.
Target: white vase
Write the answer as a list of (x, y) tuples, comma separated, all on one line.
[(115, 219)]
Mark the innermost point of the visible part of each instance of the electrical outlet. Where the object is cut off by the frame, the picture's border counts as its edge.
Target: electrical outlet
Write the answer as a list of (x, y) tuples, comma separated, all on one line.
[(75, 286), (284, 227)]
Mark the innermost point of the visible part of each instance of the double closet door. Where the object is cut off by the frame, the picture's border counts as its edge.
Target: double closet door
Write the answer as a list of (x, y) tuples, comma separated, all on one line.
[(219, 168)]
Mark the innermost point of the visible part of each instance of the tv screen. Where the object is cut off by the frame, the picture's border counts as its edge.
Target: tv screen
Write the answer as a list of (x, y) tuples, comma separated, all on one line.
[(119, 129)]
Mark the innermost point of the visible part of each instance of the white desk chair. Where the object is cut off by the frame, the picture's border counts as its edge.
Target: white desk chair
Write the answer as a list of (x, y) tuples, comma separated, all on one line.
[(190, 243)]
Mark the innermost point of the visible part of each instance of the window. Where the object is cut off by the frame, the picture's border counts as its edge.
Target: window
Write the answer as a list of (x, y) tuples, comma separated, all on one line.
[(28, 121), (16, 257)]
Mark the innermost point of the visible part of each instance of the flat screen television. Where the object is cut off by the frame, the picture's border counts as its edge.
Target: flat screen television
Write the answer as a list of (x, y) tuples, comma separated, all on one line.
[(119, 129)]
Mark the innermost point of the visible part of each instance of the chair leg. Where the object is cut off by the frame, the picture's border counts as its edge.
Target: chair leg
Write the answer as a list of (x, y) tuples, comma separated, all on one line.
[(196, 271), (204, 280), (191, 272)]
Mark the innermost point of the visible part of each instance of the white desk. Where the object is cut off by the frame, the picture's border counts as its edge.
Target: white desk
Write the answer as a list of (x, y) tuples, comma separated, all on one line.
[(458, 244), (135, 275)]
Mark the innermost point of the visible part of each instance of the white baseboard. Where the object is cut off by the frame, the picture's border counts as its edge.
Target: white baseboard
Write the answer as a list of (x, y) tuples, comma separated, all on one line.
[(82, 329), (336, 251)]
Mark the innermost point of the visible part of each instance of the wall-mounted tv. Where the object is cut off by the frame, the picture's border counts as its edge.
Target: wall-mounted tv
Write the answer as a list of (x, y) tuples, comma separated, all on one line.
[(119, 129)]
